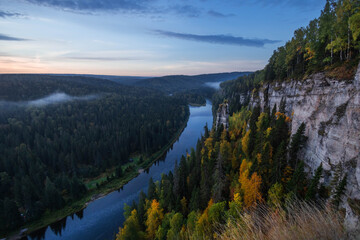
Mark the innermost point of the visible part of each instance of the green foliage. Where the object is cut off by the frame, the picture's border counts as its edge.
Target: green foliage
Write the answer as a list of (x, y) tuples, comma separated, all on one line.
[(48, 152), (297, 142), (131, 229), (314, 184), (275, 195), (339, 191)]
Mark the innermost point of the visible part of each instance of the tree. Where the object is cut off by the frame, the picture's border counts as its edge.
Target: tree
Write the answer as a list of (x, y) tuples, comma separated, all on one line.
[(235, 206), (10, 215), (216, 213), (250, 187), (314, 184), (245, 142), (152, 189), (298, 181), (275, 195), (131, 229), (203, 226), (339, 191), (52, 196), (154, 218), (176, 223), (298, 140)]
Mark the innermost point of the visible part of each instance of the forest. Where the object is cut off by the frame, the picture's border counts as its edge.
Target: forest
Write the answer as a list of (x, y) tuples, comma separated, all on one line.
[(47, 152), (234, 173), (254, 162)]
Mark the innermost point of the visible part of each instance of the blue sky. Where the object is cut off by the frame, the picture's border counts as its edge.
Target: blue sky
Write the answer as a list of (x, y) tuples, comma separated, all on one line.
[(146, 37)]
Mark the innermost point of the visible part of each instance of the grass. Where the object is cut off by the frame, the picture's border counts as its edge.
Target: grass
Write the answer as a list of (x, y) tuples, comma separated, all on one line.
[(104, 188), (297, 221)]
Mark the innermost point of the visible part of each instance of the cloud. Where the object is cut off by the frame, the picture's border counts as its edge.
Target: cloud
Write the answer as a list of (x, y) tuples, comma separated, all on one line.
[(103, 58), (124, 6), (186, 10), (4, 14), (219, 14), (4, 37), (80, 5), (301, 4), (218, 39)]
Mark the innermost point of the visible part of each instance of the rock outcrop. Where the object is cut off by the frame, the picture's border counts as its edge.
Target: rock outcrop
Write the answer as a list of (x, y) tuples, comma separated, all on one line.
[(222, 116), (331, 111)]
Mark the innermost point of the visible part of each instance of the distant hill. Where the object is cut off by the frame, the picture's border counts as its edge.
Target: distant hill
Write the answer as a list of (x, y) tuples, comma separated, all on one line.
[(127, 80), (179, 83), (23, 87)]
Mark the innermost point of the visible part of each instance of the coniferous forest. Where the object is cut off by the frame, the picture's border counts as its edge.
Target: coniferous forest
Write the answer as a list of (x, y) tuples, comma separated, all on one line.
[(47, 152)]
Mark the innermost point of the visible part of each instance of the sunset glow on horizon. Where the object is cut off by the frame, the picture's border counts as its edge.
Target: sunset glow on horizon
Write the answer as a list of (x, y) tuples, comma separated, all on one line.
[(145, 38)]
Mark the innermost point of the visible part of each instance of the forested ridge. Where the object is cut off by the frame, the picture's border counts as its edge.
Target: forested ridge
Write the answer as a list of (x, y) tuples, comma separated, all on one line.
[(224, 183), (330, 44), (47, 152)]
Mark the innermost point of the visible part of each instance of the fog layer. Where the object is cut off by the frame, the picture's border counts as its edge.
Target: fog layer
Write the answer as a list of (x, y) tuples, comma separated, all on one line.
[(48, 100)]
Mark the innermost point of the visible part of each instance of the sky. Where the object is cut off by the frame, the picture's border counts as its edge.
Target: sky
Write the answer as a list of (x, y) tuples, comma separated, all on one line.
[(146, 37)]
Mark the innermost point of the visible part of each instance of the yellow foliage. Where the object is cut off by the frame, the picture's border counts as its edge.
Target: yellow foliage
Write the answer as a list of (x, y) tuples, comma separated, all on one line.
[(154, 218), (258, 157), (250, 187), (287, 174), (245, 143), (131, 229), (267, 132), (237, 197), (203, 226)]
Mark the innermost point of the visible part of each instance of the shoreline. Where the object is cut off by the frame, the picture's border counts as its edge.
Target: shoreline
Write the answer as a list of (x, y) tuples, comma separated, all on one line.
[(94, 194)]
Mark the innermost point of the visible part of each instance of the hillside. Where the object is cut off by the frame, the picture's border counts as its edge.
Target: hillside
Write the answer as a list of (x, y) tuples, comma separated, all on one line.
[(180, 83)]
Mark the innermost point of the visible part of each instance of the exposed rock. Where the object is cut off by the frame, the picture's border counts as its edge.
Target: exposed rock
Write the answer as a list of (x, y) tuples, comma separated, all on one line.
[(331, 111), (222, 116)]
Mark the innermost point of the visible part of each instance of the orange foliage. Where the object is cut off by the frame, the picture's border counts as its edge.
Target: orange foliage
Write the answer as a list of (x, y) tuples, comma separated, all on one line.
[(250, 187)]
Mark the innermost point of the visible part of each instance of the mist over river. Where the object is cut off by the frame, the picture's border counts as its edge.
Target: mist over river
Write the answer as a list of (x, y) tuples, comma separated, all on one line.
[(102, 218)]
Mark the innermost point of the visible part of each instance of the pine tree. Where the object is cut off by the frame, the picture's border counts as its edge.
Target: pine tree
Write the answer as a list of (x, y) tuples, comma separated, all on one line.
[(298, 140), (339, 191), (152, 189), (298, 181), (314, 184)]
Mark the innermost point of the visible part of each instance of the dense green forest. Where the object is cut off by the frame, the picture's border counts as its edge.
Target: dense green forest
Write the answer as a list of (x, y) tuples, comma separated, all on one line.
[(255, 162), (47, 152), (182, 83)]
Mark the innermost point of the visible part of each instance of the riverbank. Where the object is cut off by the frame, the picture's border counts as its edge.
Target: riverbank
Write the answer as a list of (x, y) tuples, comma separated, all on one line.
[(96, 193), (197, 104)]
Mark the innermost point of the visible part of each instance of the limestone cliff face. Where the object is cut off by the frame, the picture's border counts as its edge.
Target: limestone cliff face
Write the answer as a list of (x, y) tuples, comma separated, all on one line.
[(222, 116), (331, 111)]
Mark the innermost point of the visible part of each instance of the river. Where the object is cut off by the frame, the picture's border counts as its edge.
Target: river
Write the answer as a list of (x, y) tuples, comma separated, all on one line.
[(101, 219)]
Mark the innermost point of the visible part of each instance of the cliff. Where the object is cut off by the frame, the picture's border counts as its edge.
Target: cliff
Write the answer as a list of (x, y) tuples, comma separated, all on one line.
[(222, 116), (331, 111)]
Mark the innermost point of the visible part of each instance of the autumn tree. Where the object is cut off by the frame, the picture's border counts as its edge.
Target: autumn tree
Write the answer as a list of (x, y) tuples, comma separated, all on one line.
[(154, 218), (131, 229)]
